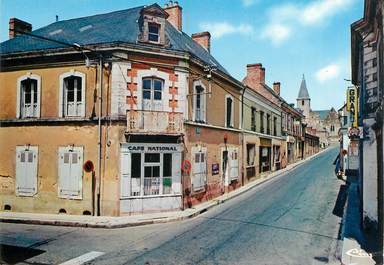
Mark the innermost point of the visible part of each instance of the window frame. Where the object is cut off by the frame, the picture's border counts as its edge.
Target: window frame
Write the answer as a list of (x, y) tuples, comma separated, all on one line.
[(203, 103), (19, 95), (231, 125), (158, 26), (62, 94), (152, 88), (253, 119)]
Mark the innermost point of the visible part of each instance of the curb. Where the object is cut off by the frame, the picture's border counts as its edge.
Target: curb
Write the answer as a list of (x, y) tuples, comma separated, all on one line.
[(194, 213)]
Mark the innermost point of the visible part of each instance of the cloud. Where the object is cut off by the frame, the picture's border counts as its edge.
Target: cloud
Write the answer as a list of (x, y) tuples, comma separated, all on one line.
[(247, 3), (328, 72), (220, 29), (317, 11), (283, 19), (277, 33)]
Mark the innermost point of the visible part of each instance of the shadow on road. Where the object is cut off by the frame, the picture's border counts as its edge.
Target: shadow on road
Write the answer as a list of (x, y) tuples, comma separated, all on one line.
[(338, 209), (13, 254)]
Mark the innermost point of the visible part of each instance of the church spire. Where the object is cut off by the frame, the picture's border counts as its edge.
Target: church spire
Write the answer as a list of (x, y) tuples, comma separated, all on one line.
[(303, 93)]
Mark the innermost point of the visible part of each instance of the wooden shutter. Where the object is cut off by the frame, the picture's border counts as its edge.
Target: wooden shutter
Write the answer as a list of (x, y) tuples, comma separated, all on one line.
[(70, 172), (125, 174), (26, 170)]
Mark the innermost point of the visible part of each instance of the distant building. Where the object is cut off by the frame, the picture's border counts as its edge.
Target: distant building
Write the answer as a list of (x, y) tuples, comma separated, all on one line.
[(325, 122)]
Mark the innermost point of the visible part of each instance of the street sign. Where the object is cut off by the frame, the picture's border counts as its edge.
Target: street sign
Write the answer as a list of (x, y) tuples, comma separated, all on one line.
[(88, 166)]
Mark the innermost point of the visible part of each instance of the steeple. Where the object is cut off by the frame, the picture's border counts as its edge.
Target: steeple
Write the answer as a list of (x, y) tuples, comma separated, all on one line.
[(303, 93)]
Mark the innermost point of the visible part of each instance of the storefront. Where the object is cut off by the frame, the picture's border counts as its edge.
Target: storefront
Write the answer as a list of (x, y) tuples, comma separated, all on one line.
[(150, 177)]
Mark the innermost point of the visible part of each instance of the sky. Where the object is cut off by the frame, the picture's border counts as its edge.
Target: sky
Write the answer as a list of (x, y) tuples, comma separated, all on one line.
[(289, 37)]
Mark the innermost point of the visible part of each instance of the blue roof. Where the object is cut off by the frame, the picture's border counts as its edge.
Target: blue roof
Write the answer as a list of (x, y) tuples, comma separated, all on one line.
[(115, 27)]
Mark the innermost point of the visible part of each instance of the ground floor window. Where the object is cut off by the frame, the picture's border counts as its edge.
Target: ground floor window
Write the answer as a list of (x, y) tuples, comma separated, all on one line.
[(199, 177), (251, 154)]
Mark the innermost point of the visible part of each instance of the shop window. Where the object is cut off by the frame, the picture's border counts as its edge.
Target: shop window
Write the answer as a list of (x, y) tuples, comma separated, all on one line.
[(250, 154), (135, 174), (167, 174)]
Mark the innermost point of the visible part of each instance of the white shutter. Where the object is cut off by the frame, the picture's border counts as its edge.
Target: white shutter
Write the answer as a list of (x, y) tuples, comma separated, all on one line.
[(26, 171), (70, 172), (125, 174), (176, 172), (234, 163), (199, 170), (203, 105)]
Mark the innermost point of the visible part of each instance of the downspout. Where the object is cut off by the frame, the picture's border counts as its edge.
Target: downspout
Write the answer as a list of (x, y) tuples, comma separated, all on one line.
[(99, 135), (242, 136)]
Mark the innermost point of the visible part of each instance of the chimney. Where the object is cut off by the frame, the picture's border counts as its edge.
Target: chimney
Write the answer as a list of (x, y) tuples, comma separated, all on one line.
[(276, 87), (16, 26), (256, 73), (175, 14), (204, 39)]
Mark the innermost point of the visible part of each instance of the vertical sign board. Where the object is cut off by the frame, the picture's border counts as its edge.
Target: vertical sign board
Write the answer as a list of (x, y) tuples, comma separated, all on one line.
[(352, 105)]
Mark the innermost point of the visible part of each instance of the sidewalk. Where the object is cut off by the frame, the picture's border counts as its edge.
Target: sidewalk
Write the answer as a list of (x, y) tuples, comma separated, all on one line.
[(354, 240), (143, 219)]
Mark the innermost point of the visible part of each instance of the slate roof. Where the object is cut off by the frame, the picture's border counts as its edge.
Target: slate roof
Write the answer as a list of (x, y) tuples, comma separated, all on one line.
[(303, 93), (114, 27)]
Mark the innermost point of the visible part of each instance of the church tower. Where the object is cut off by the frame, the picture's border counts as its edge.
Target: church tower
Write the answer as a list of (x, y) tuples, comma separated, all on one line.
[(303, 100)]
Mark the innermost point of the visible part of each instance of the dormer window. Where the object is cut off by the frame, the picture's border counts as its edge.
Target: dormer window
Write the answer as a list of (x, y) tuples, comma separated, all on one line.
[(154, 32)]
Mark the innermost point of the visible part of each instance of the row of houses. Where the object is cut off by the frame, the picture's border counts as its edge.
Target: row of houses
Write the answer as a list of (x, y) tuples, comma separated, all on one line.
[(124, 113)]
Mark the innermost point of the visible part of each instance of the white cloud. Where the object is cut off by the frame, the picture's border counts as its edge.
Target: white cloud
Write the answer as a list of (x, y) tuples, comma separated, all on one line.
[(277, 33), (247, 3), (317, 11), (220, 29), (328, 72), (284, 19)]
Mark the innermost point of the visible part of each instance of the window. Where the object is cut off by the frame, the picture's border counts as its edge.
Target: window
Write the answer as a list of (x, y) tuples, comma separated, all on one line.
[(70, 172), (152, 93), (73, 94), (199, 171), (26, 170), (261, 121), (154, 32), (167, 174), (199, 104), (28, 96), (135, 174), (268, 124), (234, 164), (229, 111), (253, 119), (302, 102), (274, 126), (251, 153)]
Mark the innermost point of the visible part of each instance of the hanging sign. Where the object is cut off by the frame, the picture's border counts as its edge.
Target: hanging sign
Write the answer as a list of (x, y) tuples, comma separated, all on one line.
[(352, 105)]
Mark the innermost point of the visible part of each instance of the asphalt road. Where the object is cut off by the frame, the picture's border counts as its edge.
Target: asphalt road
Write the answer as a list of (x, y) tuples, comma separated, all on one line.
[(292, 219)]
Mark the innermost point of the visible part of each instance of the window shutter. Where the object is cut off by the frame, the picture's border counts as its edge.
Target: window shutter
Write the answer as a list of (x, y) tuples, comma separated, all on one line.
[(204, 168), (234, 164), (26, 171), (196, 180), (125, 168), (176, 172), (70, 172), (203, 106)]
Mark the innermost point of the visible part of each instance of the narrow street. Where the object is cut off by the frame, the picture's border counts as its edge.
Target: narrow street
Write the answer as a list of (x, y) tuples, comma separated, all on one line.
[(292, 219)]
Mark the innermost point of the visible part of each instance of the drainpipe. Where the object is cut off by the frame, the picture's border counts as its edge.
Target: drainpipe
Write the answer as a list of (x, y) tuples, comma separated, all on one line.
[(99, 98)]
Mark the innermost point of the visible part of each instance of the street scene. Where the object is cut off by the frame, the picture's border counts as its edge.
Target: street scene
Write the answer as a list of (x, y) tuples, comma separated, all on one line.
[(192, 132)]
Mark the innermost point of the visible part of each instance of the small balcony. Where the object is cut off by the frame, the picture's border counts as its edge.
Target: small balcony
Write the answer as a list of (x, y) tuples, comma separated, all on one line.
[(154, 122)]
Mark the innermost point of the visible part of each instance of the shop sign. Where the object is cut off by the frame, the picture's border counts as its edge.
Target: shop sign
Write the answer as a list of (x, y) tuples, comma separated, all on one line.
[(352, 105), (151, 148), (215, 169), (355, 132)]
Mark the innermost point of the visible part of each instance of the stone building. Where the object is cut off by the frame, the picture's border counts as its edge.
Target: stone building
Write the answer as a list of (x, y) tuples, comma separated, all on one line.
[(325, 122)]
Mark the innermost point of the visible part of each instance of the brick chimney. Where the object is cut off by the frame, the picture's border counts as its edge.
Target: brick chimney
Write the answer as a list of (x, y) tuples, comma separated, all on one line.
[(17, 25), (276, 87), (255, 75), (175, 14), (204, 39)]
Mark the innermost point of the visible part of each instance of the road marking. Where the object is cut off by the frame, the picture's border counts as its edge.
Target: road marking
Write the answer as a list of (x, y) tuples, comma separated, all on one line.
[(83, 258)]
